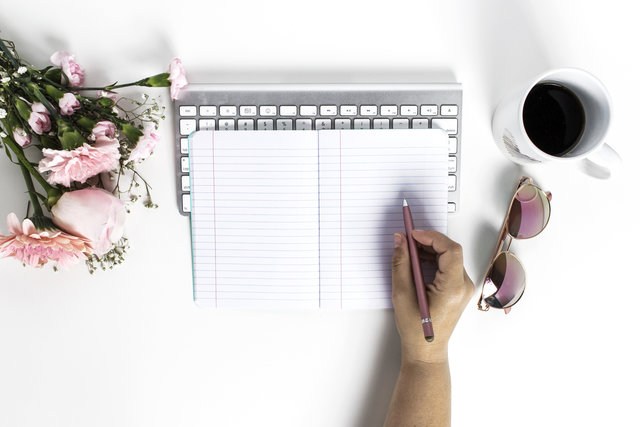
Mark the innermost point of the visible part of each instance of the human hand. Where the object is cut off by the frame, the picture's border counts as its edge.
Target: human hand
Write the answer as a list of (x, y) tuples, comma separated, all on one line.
[(448, 295)]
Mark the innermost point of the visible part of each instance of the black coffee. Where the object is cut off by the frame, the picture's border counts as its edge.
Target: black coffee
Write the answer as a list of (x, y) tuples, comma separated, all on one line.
[(553, 117)]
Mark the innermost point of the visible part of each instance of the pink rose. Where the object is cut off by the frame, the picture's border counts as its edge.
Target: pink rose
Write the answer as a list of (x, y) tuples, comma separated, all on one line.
[(37, 247), (68, 104), (104, 129), (81, 163), (92, 213), (39, 118), (22, 137), (69, 67), (177, 78), (145, 146)]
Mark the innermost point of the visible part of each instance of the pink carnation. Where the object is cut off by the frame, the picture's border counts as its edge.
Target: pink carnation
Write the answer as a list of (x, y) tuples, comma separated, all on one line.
[(70, 68), (81, 163), (104, 129), (177, 78), (37, 247), (39, 118), (145, 146), (68, 104), (22, 137)]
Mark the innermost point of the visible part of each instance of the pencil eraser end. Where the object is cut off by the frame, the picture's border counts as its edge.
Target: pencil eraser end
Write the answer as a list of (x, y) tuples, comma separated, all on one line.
[(429, 339)]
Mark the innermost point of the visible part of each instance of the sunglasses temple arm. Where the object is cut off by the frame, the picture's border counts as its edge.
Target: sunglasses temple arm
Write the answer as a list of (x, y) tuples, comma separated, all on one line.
[(501, 239)]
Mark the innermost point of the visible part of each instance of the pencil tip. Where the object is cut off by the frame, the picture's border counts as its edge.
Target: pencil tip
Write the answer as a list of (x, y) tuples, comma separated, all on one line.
[(404, 202)]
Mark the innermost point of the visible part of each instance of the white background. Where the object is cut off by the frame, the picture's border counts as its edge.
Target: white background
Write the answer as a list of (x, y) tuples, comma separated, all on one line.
[(129, 348)]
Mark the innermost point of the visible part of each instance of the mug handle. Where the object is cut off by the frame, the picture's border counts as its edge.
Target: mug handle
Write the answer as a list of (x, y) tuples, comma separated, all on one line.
[(602, 163)]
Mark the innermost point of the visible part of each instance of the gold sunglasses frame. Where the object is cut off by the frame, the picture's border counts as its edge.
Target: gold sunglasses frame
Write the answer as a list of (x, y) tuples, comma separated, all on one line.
[(502, 239)]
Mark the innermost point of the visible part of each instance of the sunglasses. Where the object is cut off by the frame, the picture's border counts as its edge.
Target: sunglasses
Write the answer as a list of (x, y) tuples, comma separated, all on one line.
[(528, 215)]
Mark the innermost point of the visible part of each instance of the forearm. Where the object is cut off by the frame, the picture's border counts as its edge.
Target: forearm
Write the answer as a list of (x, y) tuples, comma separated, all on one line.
[(422, 396)]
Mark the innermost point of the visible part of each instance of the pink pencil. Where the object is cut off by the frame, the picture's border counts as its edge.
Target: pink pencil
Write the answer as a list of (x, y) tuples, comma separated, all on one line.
[(427, 325)]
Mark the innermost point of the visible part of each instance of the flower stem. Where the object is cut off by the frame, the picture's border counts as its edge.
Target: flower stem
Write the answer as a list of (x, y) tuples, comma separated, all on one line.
[(37, 209), (53, 194), (5, 50), (110, 87)]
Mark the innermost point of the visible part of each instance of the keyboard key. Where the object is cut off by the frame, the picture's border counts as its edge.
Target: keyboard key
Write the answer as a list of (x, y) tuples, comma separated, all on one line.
[(303, 124), (187, 126), (452, 164), (362, 124), (308, 110), (408, 110), (449, 110), (245, 124), (348, 110), (284, 124), (343, 124), (453, 145), (389, 110), (184, 164), (207, 124), (368, 110), (265, 124), (288, 110), (381, 123), (187, 110), (428, 110), (451, 207), (186, 203), (184, 145), (401, 123), (186, 183), (420, 124), (452, 182), (448, 125), (328, 110), (323, 124), (228, 110), (207, 110), (226, 124), (268, 110), (248, 110)]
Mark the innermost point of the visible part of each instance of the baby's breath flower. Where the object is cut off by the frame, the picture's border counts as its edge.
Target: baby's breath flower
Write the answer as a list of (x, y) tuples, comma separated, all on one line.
[(3, 135), (22, 70), (5, 80), (3, 113)]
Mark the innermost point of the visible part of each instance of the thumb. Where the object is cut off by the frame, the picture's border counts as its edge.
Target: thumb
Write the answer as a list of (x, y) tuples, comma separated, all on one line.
[(401, 266)]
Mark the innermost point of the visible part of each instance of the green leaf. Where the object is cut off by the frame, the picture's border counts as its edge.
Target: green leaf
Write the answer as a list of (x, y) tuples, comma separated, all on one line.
[(159, 80), (132, 133), (69, 137), (23, 109), (53, 92), (86, 123)]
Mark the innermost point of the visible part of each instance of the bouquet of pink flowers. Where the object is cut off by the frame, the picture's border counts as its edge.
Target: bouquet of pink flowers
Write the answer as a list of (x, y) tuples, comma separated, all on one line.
[(78, 149)]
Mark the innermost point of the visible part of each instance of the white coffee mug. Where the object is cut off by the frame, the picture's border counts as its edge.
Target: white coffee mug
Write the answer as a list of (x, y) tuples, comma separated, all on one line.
[(598, 159)]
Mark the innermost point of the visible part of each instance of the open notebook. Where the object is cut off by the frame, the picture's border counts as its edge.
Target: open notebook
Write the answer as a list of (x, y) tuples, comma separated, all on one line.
[(305, 219)]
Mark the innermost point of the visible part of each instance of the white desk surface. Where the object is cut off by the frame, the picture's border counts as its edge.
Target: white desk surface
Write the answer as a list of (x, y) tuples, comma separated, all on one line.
[(130, 348)]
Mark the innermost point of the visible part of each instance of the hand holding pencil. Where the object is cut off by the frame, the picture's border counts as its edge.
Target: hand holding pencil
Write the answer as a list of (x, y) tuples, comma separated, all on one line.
[(447, 296)]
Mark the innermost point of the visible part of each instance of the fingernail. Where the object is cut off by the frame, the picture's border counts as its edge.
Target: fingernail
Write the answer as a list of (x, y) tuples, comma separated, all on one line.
[(397, 240)]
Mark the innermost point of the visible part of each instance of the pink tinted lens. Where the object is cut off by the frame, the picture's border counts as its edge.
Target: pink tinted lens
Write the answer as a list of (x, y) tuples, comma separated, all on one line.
[(529, 212), (506, 279)]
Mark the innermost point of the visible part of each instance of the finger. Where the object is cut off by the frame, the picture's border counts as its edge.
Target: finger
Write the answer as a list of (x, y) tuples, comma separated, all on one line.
[(449, 252), (401, 277)]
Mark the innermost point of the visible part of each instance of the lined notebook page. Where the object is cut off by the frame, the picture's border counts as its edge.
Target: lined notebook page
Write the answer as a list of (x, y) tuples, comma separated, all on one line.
[(305, 219), (364, 175), (254, 219)]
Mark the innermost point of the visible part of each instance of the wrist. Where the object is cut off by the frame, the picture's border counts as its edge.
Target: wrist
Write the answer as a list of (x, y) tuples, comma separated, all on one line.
[(429, 353)]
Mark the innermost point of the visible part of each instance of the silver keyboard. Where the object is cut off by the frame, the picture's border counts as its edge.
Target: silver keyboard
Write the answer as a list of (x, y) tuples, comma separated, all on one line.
[(238, 107)]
